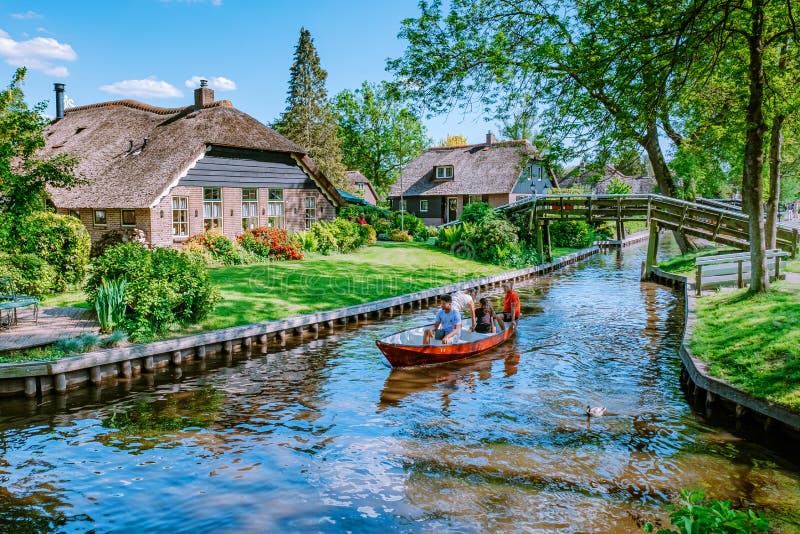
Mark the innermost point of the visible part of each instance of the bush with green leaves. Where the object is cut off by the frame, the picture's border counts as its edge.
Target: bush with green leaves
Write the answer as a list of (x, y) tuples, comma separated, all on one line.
[(323, 236), (401, 236), (60, 240), (307, 240), (477, 212), (371, 213), (525, 255), (411, 224), (216, 247), (570, 234), (349, 235), (696, 515), (602, 231), (164, 286), (30, 274), (493, 240), (110, 305), (618, 187)]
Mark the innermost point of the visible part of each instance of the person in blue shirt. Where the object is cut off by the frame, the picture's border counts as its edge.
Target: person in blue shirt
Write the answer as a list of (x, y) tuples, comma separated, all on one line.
[(448, 324)]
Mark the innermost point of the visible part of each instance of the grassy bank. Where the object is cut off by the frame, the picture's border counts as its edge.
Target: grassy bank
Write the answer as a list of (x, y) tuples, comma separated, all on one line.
[(684, 264), (753, 342)]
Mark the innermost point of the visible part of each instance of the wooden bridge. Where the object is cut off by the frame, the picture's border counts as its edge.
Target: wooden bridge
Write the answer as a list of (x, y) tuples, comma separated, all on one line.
[(710, 220)]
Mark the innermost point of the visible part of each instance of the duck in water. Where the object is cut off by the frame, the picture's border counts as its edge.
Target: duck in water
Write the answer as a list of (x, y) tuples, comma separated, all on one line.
[(597, 411)]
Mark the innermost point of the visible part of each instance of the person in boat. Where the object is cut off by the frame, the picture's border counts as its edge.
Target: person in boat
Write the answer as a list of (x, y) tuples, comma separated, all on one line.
[(448, 324), (511, 305), (465, 301), (485, 318)]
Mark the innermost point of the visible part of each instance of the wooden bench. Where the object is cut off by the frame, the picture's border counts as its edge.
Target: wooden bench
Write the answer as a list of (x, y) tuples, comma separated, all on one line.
[(10, 301), (715, 271)]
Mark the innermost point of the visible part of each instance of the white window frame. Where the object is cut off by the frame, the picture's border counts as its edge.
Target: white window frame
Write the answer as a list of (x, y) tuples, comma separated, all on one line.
[(212, 210), (310, 211), (276, 209), (423, 206), (444, 172), (249, 209), (182, 222)]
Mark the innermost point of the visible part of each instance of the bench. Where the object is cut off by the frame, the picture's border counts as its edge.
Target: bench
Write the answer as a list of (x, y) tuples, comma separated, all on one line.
[(10, 301), (715, 271)]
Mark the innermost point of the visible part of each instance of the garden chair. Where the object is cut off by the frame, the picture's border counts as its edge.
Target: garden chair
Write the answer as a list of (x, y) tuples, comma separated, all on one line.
[(10, 301)]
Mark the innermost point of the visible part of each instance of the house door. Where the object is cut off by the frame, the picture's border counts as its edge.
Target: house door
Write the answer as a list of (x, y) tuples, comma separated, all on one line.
[(452, 208)]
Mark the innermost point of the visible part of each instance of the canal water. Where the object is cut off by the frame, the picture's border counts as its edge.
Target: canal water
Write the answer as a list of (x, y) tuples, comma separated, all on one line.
[(325, 437)]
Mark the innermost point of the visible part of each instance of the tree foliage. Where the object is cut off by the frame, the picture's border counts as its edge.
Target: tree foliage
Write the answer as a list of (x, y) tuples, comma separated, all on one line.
[(308, 119), (25, 177), (453, 140), (379, 134)]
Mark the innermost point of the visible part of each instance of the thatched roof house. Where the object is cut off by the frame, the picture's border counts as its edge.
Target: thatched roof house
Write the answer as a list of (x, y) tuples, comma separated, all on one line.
[(167, 167), (436, 185), (594, 181), (364, 187)]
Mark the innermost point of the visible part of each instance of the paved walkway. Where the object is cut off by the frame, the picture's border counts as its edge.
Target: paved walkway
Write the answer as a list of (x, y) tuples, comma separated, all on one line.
[(54, 324)]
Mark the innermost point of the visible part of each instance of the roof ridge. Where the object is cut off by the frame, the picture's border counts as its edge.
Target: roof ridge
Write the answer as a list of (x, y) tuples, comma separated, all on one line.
[(498, 144), (135, 104)]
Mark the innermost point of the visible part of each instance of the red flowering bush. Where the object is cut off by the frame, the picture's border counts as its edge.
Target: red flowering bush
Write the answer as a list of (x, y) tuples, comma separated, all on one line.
[(272, 243)]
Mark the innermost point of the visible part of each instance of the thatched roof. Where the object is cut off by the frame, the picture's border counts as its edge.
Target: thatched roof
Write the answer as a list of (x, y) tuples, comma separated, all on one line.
[(355, 177), (598, 181), (477, 170), (100, 135)]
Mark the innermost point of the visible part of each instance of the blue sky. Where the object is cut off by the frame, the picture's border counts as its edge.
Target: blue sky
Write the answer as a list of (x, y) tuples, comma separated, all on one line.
[(149, 50)]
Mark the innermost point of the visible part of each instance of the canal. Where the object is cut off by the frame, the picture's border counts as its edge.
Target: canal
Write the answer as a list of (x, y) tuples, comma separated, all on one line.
[(325, 437)]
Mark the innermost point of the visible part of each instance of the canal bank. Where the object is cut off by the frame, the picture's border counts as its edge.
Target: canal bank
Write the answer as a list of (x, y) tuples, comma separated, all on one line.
[(33, 379), (716, 394)]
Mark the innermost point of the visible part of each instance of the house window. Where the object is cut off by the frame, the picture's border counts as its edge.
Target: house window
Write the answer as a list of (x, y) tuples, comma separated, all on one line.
[(360, 186), (100, 218), (423, 206), (212, 208), (180, 216), (311, 211), (249, 207), (128, 217), (474, 198), (275, 217), (74, 213), (444, 172)]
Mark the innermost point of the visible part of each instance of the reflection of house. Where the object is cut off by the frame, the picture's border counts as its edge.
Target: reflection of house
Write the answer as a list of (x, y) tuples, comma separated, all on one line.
[(437, 184), (177, 172), (363, 186), (594, 181)]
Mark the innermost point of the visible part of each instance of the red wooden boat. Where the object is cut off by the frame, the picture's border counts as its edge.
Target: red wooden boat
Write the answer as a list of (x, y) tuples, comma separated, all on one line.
[(405, 349)]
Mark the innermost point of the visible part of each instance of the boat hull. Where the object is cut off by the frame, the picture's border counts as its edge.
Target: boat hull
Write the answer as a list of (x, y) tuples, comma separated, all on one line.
[(399, 355)]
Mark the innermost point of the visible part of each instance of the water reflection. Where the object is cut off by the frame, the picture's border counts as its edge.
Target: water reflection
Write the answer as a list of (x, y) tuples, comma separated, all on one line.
[(325, 437)]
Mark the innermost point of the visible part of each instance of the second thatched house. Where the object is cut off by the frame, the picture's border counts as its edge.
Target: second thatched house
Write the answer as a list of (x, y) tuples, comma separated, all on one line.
[(438, 184), (592, 180), (172, 173), (363, 186)]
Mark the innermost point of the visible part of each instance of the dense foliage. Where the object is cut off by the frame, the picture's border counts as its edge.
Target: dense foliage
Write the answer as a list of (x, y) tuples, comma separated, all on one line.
[(308, 119), (163, 286), (477, 212), (30, 274), (695, 515), (571, 234), (271, 243), (216, 247), (379, 134)]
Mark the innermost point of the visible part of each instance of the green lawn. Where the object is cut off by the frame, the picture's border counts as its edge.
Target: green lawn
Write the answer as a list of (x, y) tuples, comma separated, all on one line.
[(75, 299), (684, 264), (753, 342), (792, 266)]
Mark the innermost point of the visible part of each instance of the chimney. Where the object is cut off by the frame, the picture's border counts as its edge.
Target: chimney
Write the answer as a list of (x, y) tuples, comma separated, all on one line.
[(490, 140), (59, 88), (203, 95)]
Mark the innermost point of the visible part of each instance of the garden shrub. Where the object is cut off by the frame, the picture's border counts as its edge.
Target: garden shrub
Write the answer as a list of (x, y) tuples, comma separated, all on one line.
[(60, 240), (696, 515), (525, 256), (493, 240), (371, 213), (115, 237), (324, 237), (307, 240), (31, 274), (348, 235), (602, 231), (216, 247), (401, 236), (383, 228), (109, 303), (271, 243), (570, 234), (371, 234), (411, 224), (164, 286), (477, 212)]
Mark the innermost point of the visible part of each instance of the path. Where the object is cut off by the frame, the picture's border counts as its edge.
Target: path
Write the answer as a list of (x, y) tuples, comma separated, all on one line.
[(54, 323)]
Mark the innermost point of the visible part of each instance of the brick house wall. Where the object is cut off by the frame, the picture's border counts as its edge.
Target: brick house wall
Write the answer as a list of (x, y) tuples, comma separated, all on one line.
[(113, 221)]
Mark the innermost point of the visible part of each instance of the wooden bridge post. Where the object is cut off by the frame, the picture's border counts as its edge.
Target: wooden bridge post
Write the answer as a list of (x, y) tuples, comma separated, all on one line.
[(652, 249), (549, 248), (537, 228)]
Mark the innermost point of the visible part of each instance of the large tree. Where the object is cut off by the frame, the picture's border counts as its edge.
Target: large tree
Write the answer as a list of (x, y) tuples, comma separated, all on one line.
[(25, 177), (379, 134), (308, 119)]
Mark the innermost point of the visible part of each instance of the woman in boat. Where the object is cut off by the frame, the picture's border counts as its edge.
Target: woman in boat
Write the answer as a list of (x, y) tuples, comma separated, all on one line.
[(448, 324), (485, 318)]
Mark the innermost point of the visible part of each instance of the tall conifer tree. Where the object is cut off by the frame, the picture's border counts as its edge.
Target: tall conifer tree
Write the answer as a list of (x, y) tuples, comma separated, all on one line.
[(308, 119)]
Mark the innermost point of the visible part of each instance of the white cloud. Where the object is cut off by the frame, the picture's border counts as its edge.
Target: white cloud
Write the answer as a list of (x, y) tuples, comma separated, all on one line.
[(220, 83), (27, 15), (39, 53), (42, 29), (150, 87)]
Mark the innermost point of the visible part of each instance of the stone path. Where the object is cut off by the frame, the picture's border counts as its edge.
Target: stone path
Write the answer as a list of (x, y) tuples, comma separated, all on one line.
[(54, 324)]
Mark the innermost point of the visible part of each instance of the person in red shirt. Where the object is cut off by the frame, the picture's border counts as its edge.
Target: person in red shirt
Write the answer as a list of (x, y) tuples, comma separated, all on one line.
[(511, 305), (361, 219)]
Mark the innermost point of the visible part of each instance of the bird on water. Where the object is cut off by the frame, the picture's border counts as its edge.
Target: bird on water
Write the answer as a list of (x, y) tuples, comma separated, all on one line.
[(597, 411)]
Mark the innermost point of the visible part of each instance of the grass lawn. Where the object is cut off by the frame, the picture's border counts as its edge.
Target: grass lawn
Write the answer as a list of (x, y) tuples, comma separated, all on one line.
[(792, 266), (684, 264), (753, 342), (75, 299)]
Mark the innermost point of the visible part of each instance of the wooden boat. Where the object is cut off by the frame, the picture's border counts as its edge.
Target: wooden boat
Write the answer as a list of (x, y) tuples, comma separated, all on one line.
[(405, 349)]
